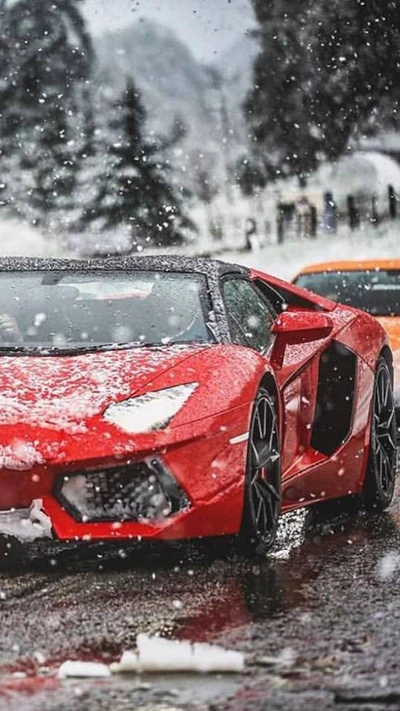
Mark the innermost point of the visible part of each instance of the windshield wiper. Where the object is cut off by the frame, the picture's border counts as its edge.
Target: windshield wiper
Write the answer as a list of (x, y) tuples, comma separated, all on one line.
[(75, 350), (52, 350), (21, 350)]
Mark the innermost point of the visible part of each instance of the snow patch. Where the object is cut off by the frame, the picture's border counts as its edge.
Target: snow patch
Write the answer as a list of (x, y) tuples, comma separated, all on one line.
[(82, 670), (60, 393), (19, 238), (26, 524), (388, 566), (155, 654), (288, 259), (19, 456)]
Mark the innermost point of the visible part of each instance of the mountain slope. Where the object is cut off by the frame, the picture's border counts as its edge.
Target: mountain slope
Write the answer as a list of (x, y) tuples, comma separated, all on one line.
[(172, 82), (176, 85)]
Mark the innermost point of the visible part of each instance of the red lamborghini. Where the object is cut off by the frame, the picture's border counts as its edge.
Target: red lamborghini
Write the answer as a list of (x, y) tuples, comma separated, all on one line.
[(169, 398)]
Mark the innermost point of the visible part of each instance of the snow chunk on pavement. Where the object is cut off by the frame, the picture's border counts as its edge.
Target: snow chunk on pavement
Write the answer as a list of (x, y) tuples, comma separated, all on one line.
[(82, 670), (388, 566), (156, 654), (128, 663)]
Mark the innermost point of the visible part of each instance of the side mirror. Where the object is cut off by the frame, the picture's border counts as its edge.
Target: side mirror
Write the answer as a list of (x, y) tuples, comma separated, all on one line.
[(302, 326), (296, 327)]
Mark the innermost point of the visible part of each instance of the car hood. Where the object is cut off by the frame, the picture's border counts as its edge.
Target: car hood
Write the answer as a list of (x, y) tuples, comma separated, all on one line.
[(63, 392)]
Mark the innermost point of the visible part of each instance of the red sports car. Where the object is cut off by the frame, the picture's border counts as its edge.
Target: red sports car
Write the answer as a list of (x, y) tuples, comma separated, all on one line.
[(170, 398)]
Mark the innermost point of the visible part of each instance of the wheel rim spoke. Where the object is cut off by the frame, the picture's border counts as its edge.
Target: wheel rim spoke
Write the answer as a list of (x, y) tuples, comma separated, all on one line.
[(386, 464), (265, 469), (259, 424), (254, 457), (386, 437), (384, 430), (258, 514), (382, 468), (265, 457), (264, 506), (269, 489)]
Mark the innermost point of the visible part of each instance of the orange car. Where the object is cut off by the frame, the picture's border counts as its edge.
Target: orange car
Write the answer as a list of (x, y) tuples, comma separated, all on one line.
[(373, 286)]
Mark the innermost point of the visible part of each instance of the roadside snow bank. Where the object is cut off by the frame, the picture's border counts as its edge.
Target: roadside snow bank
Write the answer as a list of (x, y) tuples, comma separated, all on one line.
[(19, 239), (286, 260)]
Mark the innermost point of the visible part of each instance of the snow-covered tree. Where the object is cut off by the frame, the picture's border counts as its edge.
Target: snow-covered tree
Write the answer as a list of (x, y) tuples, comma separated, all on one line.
[(354, 50), (327, 71), (46, 56), (278, 107), (132, 189)]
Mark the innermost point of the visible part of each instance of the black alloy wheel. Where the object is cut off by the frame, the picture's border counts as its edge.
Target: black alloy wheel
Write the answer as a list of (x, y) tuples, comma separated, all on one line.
[(262, 500), (381, 473)]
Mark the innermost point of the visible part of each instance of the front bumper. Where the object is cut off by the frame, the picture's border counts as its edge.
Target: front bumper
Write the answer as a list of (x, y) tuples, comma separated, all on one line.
[(200, 469)]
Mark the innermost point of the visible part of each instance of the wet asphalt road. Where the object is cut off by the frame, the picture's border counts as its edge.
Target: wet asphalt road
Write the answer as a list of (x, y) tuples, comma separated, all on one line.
[(319, 621)]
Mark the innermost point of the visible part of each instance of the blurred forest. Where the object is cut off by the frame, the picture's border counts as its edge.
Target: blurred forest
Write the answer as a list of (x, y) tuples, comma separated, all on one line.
[(129, 131), (328, 74)]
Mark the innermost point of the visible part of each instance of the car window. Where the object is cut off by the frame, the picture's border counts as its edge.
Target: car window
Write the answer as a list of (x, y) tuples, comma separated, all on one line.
[(376, 291), (72, 310), (249, 317)]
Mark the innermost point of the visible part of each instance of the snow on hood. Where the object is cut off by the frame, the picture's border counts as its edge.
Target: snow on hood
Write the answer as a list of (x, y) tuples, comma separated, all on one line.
[(64, 392), (19, 456)]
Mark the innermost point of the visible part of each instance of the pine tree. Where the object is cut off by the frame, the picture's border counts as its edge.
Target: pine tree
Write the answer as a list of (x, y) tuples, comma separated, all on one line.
[(328, 71), (249, 177), (46, 57), (132, 189), (278, 108), (356, 50)]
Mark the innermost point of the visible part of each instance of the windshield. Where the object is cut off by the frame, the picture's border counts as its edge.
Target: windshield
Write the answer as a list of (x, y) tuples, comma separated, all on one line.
[(75, 311), (376, 291)]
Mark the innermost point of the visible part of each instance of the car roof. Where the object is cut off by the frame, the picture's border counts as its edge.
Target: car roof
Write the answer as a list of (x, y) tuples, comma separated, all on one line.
[(351, 265), (160, 263)]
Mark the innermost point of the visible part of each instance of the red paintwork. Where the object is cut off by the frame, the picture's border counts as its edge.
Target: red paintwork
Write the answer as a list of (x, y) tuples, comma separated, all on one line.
[(9, 688), (51, 421)]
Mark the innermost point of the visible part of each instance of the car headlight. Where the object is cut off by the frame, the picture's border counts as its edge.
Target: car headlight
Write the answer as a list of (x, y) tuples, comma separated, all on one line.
[(152, 411)]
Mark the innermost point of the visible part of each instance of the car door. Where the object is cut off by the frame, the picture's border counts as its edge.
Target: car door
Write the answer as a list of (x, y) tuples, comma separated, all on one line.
[(251, 319), (322, 381)]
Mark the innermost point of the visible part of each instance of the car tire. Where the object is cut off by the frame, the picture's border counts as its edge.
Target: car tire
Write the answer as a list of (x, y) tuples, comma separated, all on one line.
[(262, 489), (380, 476)]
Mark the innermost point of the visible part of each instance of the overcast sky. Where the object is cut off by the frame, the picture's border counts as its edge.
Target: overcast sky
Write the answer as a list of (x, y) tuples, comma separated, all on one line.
[(208, 26)]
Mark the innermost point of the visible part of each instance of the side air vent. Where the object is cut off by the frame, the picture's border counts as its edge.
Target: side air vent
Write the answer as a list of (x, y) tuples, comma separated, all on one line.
[(335, 396)]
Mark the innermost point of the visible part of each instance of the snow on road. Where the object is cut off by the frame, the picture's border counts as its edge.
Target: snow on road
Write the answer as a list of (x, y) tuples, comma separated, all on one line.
[(19, 239), (288, 259), (285, 260)]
